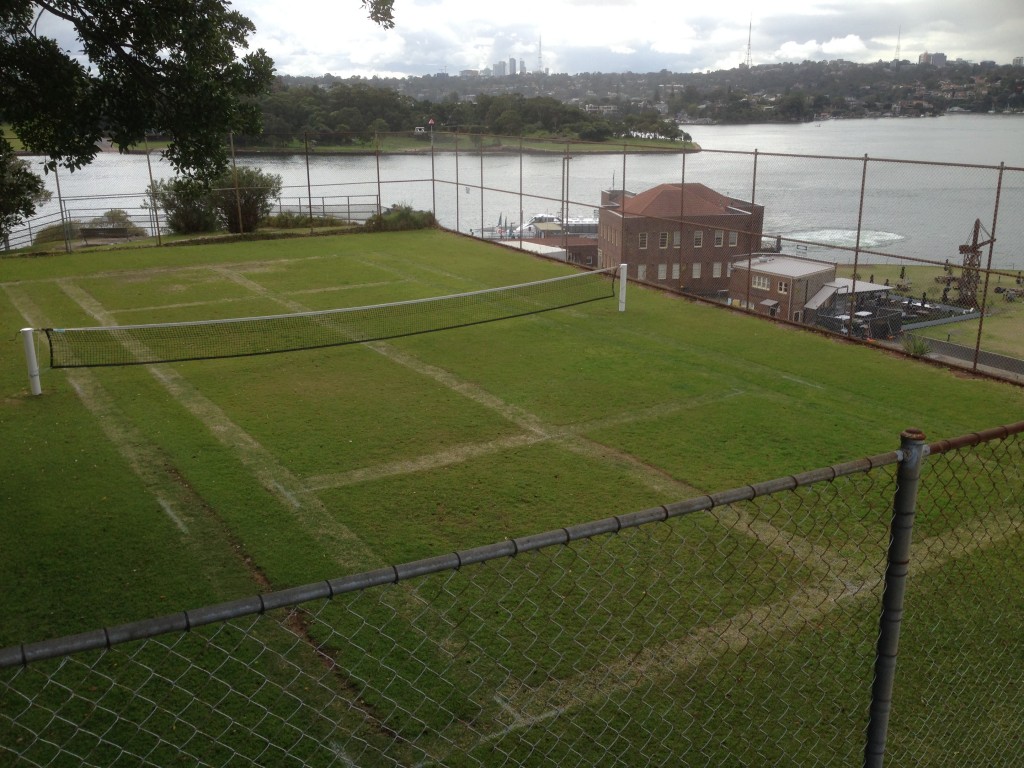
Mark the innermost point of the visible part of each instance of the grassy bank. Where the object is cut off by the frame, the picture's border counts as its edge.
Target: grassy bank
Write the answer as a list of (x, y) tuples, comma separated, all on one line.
[(139, 491)]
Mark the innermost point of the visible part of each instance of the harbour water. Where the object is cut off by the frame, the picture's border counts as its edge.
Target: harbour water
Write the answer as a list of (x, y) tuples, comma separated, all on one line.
[(924, 182)]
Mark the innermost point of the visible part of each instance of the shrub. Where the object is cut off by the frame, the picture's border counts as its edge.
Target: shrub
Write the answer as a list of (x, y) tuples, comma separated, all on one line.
[(56, 233), (244, 197), (118, 217), (187, 205), (400, 217), (292, 220), (916, 346)]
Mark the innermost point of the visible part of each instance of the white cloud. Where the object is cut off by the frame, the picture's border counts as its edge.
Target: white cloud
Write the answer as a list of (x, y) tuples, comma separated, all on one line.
[(317, 36), (793, 51), (844, 46)]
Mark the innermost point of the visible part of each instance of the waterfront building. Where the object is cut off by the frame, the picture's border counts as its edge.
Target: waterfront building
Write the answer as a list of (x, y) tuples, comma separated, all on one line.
[(680, 236)]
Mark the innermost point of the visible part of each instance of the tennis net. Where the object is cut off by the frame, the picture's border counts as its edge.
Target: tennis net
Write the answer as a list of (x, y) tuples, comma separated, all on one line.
[(207, 339)]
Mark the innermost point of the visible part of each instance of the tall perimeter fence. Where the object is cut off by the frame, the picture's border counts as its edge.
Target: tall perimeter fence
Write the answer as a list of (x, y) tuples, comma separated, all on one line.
[(757, 626), (933, 249)]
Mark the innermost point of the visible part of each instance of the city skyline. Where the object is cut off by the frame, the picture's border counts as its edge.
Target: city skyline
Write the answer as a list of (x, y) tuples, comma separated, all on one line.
[(317, 37), (449, 36)]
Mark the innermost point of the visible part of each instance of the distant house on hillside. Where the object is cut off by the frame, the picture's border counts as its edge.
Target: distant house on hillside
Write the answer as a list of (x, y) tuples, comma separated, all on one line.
[(681, 236)]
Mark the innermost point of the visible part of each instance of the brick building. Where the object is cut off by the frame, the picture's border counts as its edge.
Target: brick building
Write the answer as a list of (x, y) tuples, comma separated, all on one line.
[(779, 286), (681, 236)]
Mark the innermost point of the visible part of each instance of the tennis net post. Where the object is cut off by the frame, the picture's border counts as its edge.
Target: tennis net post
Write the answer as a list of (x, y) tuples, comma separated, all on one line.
[(623, 270), (28, 339)]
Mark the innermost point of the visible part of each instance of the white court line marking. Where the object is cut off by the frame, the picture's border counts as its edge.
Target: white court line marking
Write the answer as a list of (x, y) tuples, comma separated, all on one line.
[(165, 505)]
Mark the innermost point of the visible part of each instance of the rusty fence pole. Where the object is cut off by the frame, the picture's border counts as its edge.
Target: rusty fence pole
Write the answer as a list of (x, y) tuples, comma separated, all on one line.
[(912, 450)]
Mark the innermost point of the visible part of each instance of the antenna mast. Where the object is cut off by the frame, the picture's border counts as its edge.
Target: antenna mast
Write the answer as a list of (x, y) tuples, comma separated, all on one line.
[(899, 34), (540, 54), (750, 30)]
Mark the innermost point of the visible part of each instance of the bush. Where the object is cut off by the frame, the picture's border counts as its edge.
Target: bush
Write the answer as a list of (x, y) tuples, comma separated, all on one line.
[(186, 204), (290, 220), (244, 197), (400, 217), (916, 346), (55, 233), (118, 217)]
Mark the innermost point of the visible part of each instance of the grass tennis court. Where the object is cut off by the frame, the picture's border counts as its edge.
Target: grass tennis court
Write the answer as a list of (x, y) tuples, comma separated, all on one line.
[(137, 491), (134, 491)]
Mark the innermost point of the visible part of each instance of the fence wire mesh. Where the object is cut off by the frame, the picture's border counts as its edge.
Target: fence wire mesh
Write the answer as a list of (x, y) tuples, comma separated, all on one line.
[(734, 629), (960, 676)]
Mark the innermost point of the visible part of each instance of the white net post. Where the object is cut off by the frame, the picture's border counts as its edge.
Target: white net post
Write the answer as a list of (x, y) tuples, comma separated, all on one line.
[(623, 270), (30, 359)]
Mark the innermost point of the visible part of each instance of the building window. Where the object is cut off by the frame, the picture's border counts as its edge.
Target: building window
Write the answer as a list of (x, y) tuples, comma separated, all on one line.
[(719, 238), (716, 269), (663, 240), (696, 270), (783, 286), (675, 271), (798, 316), (662, 271), (734, 238), (698, 239), (677, 238), (643, 241), (761, 281), (641, 271)]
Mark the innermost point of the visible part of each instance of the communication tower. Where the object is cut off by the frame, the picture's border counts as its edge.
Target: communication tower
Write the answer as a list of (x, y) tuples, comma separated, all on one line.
[(750, 29)]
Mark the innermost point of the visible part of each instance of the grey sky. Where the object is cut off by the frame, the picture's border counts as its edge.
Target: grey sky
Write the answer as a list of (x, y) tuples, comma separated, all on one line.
[(318, 36), (313, 37)]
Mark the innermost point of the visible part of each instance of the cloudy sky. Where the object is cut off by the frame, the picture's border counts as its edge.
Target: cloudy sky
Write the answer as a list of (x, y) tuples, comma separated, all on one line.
[(313, 37)]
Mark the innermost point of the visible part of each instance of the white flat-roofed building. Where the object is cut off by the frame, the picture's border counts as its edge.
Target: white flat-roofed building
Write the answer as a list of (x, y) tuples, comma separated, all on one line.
[(778, 285)]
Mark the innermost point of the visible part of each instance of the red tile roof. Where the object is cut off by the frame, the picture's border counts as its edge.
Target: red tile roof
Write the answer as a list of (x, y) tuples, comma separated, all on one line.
[(663, 202)]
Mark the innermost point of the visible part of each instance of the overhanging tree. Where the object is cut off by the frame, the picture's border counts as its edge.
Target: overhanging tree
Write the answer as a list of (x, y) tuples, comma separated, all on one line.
[(151, 66), (20, 190), (163, 66)]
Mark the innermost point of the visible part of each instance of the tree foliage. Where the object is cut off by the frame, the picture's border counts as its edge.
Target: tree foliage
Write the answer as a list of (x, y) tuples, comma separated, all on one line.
[(186, 203), (244, 197), (240, 199), (20, 190), (163, 66), (348, 112)]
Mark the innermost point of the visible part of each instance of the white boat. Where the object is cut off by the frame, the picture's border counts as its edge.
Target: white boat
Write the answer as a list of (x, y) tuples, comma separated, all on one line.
[(578, 226)]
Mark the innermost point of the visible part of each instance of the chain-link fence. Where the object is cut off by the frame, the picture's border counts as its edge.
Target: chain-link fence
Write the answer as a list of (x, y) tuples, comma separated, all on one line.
[(740, 628)]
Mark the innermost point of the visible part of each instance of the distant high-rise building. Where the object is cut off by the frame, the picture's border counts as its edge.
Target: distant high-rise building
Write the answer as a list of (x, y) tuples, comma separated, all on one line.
[(511, 65), (522, 67), (1018, 61), (501, 69), (935, 59)]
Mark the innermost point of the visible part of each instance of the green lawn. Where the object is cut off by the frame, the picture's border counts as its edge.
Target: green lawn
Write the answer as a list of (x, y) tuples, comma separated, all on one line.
[(137, 491), (695, 392)]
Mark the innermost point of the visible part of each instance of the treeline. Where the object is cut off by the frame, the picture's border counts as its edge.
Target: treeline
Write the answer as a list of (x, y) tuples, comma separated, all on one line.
[(348, 113)]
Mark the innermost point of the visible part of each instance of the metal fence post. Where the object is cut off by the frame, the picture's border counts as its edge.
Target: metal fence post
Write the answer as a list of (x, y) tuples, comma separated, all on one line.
[(912, 448)]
